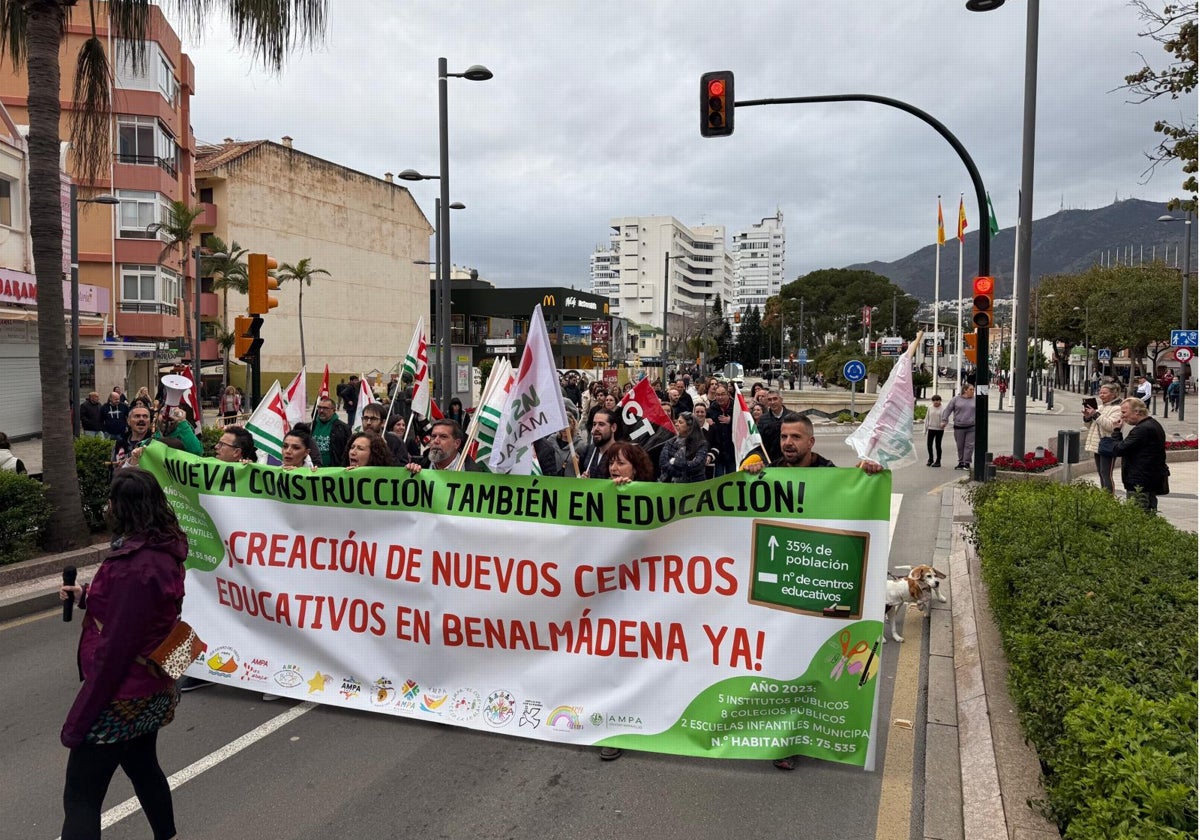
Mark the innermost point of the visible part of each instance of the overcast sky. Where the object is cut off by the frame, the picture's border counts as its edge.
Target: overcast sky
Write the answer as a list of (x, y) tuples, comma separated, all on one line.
[(593, 113)]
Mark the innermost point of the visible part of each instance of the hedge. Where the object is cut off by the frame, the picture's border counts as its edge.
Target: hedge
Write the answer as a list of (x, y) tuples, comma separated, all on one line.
[(24, 514), (1096, 605), (95, 476)]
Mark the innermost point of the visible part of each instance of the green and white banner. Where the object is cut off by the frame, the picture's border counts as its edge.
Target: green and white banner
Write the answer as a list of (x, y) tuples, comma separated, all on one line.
[(735, 618)]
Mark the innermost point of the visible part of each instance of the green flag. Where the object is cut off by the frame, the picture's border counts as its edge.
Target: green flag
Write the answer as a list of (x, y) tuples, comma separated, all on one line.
[(993, 225)]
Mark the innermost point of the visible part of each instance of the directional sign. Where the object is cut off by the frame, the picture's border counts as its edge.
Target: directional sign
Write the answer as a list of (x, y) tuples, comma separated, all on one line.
[(1184, 338), (802, 356), (1183, 354), (1104, 354), (854, 371)]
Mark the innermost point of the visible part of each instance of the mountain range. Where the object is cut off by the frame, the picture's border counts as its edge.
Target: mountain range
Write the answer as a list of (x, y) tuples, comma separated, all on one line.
[(1068, 242)]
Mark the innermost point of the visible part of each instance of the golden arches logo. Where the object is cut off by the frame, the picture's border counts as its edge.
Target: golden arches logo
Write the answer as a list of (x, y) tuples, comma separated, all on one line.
[(548, 300)]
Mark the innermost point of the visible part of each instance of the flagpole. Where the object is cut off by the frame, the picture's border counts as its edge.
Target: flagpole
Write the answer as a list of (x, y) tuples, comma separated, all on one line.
[(1012, 338), (937, 295)]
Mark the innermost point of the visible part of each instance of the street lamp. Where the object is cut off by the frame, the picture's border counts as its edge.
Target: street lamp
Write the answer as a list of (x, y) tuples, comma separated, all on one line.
[(1020, 361), (1187, 271), (666, 303), (75, 202), (474, 73)]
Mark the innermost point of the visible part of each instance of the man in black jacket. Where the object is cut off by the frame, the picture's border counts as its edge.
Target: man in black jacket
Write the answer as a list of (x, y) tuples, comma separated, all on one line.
[(91, 416), (115, 413), (1142, 448), (372, 419)]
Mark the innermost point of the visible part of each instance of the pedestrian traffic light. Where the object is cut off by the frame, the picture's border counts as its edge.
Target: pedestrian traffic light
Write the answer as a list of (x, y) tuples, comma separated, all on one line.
[(716, 104), (260, 283), (970, 347), (241, 336), (985, 287)]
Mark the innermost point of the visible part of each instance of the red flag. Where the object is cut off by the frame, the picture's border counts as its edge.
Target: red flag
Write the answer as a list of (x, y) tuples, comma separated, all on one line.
[(324, 385), (192, 397), (435, 413), (648, 405)]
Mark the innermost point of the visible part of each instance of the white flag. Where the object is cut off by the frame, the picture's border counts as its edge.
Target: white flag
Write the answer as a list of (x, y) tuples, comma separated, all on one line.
[(535, 404), (366, 397), (745, 431), (295, 398), (885, 436), (268, 425), (487, 414), (416, 365)]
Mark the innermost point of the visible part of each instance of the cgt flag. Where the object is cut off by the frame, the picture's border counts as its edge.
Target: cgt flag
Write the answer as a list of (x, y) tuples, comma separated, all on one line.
[(268, 425), (647, 405), (324, 385), (535, 405)]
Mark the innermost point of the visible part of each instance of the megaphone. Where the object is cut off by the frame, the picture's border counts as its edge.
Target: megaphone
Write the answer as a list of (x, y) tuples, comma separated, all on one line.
[(174, 387)]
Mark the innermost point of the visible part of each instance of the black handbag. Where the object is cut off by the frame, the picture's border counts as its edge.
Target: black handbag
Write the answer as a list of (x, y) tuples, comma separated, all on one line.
[(1108, 446)]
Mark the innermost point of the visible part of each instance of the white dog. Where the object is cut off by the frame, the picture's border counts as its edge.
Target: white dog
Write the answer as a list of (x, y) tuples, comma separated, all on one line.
[(918, 587)]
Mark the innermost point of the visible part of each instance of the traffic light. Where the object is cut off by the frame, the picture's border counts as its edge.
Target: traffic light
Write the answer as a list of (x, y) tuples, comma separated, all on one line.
[(970, 348), (985, 287), (241, 336), (716, 104), (261, 283)]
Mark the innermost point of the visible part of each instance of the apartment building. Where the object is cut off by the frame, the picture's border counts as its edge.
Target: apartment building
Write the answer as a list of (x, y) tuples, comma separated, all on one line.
[(367, 232), (758, 263), (145, 297), (647, 255)]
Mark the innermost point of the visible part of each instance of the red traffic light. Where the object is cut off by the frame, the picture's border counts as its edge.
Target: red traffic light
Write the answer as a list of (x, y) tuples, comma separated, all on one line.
[(984, 285), (716, 87), (984, 288), (716, 104)]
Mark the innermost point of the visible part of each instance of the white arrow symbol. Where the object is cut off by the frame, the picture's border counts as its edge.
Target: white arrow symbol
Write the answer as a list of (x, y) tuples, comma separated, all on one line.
[(774, 544)]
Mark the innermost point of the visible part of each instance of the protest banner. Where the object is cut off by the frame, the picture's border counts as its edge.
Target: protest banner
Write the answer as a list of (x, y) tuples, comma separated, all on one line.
[(733, 618)]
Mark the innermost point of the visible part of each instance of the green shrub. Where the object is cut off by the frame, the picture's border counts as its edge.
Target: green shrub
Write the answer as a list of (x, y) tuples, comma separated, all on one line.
[(24, 514), (95, 476), (1094, 599), (920, 411), (209, 435)]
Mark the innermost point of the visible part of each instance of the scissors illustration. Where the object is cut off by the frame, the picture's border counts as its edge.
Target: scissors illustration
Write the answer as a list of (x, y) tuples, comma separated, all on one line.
[(848, 653)]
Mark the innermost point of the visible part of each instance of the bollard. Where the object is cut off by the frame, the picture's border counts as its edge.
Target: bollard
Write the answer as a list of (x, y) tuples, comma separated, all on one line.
[(1068, 446), (1049, 397)]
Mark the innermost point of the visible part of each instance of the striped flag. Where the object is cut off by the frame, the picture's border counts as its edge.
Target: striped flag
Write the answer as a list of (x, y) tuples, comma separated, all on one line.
[(490, 409), (268, 425), (941, 240), (745, 431), (416, 365), (295, 398), (962, 220)]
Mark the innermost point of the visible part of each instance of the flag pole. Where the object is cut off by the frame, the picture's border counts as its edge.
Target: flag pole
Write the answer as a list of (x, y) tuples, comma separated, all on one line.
[(937, 293)]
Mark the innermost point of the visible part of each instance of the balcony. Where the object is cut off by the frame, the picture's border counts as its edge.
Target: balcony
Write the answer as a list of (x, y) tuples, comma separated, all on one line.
[(207, 219), (210, 305), (147, 320)]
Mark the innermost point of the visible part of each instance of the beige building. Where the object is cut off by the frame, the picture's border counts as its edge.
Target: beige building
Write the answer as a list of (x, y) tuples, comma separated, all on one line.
[(365, 231)]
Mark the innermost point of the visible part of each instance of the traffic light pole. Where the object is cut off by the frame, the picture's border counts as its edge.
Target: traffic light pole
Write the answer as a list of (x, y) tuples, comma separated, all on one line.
[(985, 242)]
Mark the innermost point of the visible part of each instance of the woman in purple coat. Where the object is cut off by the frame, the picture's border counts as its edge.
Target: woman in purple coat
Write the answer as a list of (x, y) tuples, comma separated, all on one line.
[(131, 605)]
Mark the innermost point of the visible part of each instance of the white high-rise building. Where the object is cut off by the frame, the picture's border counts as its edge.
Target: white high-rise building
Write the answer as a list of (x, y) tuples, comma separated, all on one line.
[(758, 263), (642, 250)]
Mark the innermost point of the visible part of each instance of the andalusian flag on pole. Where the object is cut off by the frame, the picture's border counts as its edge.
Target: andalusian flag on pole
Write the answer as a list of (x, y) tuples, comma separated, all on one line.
[(962, 220), (268, 424), (295, 396), (535, 404), (745, 431), (487, 414), (941, 240), (993, 225), (416, 365)]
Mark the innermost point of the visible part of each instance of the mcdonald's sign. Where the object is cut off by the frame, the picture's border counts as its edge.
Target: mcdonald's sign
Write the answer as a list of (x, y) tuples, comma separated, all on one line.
[(548, 300)]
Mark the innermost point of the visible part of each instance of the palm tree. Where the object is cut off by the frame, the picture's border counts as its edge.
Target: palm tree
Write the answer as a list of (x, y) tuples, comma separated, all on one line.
[(303, 271), (31, 35), (177, 232), (226, 264)]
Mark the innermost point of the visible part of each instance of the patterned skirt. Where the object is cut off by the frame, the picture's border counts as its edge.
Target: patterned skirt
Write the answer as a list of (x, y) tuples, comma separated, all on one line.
[(124, 720)]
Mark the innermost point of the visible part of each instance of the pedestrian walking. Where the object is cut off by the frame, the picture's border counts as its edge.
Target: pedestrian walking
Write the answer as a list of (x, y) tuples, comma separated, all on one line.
[(962, 409), (935, 429)]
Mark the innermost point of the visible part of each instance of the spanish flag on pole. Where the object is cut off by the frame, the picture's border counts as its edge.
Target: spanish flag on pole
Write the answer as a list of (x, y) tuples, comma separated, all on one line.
[(941, 240), (962, 220)]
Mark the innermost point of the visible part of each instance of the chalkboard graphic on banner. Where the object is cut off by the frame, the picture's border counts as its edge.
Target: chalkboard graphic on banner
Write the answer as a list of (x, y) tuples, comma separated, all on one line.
[(808, 570)]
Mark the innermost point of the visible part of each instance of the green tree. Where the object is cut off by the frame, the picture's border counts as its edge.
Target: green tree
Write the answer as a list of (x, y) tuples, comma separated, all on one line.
[(226, 265), (1175, 29), (750, 339), (304, 272), (833, 303), (177, 231), (32, 33)]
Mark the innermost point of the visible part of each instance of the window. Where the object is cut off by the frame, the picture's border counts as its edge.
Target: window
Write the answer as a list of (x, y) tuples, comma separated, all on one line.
[(206, 195), (144, 142), (167, 84), (139, 210), (149, 288), (7, 189)]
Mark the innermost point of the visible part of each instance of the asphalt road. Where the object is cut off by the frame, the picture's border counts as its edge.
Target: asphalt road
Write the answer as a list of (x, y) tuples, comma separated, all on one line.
[(324, 772)]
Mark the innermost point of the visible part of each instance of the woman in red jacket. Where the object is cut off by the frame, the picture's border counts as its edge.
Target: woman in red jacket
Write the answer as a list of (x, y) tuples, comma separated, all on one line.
[(132, 603)]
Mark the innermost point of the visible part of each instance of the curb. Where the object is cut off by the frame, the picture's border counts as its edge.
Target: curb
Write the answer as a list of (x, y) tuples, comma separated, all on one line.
[(32, 586)]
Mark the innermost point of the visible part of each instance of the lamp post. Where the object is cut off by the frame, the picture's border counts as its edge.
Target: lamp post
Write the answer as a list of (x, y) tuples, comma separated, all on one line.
[(75, 202), (1087, 347), (1020, 361), (1039, 368), (666, 303), (1187, 271)]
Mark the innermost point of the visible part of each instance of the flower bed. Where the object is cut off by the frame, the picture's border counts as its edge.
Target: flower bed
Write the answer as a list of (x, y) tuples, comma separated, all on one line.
[(1030, 463), (1189, 443)]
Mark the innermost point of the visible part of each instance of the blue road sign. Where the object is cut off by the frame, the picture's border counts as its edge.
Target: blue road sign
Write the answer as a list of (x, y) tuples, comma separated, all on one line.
[(1184, 338), (854, 371), (1104, 354), (802, 356)]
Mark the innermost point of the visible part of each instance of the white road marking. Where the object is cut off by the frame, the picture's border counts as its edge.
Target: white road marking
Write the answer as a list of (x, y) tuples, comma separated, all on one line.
[(132, 806)]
